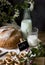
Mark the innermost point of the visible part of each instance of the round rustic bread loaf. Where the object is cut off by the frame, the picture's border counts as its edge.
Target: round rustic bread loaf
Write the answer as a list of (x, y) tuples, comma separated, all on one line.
[(9, 37)]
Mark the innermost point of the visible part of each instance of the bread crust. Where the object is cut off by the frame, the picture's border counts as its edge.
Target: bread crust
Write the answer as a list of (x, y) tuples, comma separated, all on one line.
[(10, 38)]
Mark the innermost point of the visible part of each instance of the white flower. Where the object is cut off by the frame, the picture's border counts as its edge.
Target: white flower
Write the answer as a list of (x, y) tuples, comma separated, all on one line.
[(16, 14), (32, 5), (33, 55)]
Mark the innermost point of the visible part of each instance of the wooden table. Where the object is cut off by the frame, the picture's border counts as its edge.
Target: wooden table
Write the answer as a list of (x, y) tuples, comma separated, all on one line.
[(42, 36), (41, 60)]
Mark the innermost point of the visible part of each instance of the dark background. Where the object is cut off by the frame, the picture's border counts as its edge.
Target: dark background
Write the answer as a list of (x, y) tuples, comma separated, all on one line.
[(37, 15)]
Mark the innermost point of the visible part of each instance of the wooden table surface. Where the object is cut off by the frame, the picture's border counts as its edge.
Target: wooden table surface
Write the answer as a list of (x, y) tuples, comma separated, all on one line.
[(41, 60), (42, 36)]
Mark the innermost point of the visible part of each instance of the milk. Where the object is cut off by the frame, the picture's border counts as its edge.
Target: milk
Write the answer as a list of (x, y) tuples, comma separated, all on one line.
[(32, 40), (26, 27), (26, 24)]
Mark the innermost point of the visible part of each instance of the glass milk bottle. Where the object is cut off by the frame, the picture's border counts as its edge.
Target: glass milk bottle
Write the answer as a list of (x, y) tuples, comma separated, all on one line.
[(26, 24)]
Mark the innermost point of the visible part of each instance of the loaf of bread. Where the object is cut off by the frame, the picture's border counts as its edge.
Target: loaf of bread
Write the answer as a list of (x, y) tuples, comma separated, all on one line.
[(9, 37)]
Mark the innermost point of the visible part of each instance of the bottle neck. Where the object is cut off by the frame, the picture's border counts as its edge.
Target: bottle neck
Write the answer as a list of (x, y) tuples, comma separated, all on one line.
[(27, 14)]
